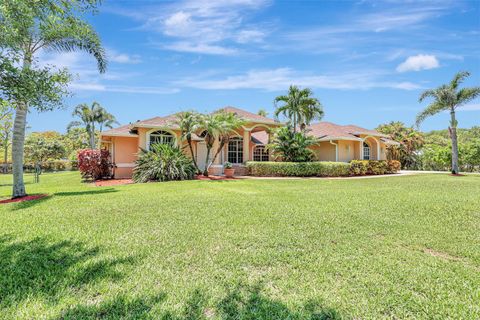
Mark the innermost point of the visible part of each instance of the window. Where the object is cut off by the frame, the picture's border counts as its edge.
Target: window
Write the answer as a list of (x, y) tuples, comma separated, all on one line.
[(366, 151), (162, 137), (235, 150), (260, 153)]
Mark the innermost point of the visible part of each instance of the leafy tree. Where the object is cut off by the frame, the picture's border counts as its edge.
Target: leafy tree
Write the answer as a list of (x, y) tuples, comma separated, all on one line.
[(6, 124), (410, 141), (262, 112), (292, 146), (74, 140), (43, 146), (26, 27), (299, 107), (90, 117), (189, 123), (210, 126), (448, 97), (228, 123)]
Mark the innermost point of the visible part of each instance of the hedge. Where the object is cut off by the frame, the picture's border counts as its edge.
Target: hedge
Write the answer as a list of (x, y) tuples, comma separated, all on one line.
[(47, 166), (298, 169), (322, 168)]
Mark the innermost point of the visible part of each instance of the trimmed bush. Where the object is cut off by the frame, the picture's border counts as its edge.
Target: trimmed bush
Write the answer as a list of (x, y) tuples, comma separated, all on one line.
[(322, 168), (358, 167), (163, 163), (94, 164), (298, 169)]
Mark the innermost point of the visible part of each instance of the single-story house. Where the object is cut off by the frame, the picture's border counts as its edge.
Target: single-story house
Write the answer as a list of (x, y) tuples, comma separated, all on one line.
[(335, 142)]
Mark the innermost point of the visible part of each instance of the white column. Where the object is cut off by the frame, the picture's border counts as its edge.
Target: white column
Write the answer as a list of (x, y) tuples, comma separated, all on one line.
[(361, 150), (246, 145)]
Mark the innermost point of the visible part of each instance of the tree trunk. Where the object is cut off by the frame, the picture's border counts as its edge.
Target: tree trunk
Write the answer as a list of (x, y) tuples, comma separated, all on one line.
[(453, 136), (189, 141), (18, 140), (92, 139), (207, 166)]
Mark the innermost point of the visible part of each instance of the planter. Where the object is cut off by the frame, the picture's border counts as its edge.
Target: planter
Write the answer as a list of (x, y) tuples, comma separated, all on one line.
[(229, 172), (211, 171)]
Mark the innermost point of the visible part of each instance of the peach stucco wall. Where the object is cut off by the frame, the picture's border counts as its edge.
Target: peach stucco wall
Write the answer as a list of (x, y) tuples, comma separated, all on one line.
[(324, 151), (125, 149)]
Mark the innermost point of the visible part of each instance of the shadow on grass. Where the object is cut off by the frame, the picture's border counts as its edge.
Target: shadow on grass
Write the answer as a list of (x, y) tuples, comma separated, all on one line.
[(46, 269), (31, 203), (248, 302)]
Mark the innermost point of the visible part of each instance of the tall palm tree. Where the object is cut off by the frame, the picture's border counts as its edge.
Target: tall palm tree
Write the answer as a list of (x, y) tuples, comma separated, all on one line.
[(210, 126), (105, 119), (299, 107), (228, 123), (189, 122), (28, 27), (448, 97), (88, 118)]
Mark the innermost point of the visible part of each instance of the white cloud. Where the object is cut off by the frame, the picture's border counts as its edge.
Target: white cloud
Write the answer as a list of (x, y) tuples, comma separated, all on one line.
[(114, 56), (418, 62), (204, 26), (282, 78), (79, 86)]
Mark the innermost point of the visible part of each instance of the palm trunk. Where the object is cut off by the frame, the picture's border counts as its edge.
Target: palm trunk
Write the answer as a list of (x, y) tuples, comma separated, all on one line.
[(220, 148), (207, 166), (92, 139), (453, 136), (18, 140), (189, 141)]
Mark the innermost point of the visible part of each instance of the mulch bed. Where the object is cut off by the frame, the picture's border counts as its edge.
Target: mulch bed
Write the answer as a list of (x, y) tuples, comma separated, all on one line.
[(456, 175), (26, 198), (214, 178), (112, 182)]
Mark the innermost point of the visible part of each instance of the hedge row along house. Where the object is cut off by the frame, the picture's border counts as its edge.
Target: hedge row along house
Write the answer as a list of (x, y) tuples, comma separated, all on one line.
[(248, 143)]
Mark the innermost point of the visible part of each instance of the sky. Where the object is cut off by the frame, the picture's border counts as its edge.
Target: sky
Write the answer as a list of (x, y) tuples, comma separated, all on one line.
[(366, 61)]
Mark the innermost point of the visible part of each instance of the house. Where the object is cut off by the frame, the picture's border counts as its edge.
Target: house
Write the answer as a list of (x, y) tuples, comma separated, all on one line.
[(335, 142)]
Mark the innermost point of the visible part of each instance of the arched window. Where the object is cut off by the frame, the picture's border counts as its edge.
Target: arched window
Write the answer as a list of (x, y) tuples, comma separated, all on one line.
[(260, 153), (162, 137), (366, 151), (235, 150)]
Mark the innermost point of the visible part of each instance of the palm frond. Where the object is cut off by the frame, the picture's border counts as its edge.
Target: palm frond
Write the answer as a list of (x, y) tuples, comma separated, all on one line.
[(465, 95), (458, 79), (432, 109)]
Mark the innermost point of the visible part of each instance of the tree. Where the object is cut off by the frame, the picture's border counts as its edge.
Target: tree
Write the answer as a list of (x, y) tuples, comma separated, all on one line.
[(74, 140), (189, 122), (43, 146), (448, 97), (410, 141), (299, 107), (210, 126), (25, 28), (262, 112), (90, 117), (292, 146), (6, 124), (228, 123)]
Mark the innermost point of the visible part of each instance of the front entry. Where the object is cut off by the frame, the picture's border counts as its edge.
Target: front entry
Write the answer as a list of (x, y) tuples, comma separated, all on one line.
[(201, 155)]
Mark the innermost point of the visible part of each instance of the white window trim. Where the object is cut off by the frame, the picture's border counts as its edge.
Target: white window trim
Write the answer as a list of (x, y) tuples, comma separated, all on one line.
[(239, 142), (261, 155), (149, 132)]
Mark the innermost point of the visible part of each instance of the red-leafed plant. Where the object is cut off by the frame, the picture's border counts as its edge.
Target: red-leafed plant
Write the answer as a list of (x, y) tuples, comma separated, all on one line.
[(94, 164)]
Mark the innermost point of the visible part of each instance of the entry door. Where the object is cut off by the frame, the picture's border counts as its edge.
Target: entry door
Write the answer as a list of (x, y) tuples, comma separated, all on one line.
[(201, 155)]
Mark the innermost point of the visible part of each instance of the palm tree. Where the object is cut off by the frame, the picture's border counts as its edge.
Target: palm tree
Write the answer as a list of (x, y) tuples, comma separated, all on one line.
[(448, 98), (28, 27), (211, 126), (228, 123), (88, 118), (189, 122), (105, 119), (299, 107), (262, 112)]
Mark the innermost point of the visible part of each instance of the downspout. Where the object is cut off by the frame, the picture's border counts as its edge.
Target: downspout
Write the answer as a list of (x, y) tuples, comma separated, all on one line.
[(336, 150)]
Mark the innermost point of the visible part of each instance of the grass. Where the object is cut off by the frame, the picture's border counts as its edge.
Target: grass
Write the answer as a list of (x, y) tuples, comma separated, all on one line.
[(403, 247)]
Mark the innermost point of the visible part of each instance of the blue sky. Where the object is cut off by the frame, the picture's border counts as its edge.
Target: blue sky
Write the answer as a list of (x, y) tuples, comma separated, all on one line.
[(367, 61)]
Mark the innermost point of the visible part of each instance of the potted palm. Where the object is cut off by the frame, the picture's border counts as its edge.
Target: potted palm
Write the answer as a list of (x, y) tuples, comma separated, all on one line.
[(228, 170)]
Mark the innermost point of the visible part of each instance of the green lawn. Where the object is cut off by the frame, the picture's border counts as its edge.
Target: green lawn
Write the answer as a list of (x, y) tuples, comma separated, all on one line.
[(402, 247)]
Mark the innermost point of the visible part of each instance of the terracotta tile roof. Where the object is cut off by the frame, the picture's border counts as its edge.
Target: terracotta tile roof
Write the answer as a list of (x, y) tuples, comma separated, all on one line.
[(326, 130), (120, 131), (260, 137), (168, 121), (248, 116)]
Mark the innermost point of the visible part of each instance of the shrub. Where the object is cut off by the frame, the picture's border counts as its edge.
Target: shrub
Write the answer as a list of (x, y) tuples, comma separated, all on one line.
[(163, 163), (291, 146), (358, 167), (393, 166), (377, 167), (298, 169), (94, 164)]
